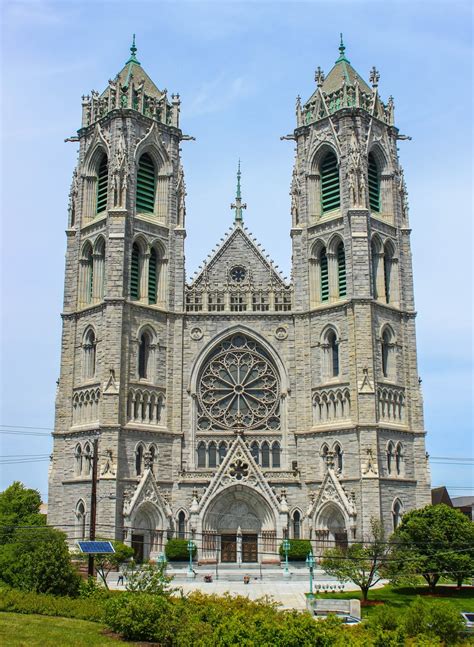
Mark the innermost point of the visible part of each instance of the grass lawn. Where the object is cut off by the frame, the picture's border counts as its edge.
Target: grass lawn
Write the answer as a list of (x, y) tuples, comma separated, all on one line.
[(462, 600), (21, 630)]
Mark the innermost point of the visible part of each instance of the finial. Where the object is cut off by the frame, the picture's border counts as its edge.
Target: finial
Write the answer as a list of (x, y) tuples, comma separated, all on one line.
[(374, 77), (238, 205), (133, 51), (319, 77), (342, 49)]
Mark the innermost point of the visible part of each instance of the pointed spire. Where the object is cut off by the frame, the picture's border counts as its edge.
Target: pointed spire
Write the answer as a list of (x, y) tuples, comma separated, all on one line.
[(238, 205), (342, 49), (133, 51)]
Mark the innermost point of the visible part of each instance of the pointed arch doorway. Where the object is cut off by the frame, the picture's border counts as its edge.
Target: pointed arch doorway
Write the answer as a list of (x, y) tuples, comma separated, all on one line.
[(331, 528), (239, 527)]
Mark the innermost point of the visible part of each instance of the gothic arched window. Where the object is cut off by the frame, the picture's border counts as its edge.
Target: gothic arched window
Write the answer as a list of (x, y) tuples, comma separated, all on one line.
[(86, 275), (397, 511), (135, 273), (152, 452), (201, 454), (102, 184), (389, 457), (341, 270), (386, 344), (276, 454), (324, 274), (330, 189), (152, 276), (255, 451), (146, 185), (139, 460), (212, 455), (98, 270), (80, 520), (78, 460), (144, 355), (331, 350), (222, 451), (265, 454), (181, 525), (338, 460), (296, 525), (89, 354), (87, 460), (387, 271), (374, 184), (238, 388), (398, 458)]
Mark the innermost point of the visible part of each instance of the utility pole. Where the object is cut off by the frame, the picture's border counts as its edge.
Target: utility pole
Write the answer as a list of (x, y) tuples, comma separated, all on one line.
[(95, 458)]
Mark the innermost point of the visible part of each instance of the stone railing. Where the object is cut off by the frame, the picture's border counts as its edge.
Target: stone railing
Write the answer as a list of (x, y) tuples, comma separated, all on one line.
[(391, 404), (347, 97), (331, 404), (145, 405), (239, 299), (85, 405)]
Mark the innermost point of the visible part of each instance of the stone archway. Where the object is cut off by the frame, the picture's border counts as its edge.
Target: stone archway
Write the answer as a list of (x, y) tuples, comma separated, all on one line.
[(238, 526), (147, 532), (330, 528)]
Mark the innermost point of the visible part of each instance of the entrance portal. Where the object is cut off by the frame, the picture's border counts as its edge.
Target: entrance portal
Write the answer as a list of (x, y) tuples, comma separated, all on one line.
[(138, 546), (228, 548), (249, 548)]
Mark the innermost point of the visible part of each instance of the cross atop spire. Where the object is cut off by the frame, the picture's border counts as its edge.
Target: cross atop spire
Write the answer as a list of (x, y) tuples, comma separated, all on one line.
[(133, 51), (342, 49), (238, 205)]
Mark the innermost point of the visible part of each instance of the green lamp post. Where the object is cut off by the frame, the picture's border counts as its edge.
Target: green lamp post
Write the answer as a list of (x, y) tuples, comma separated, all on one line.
[(190, 551), (310, 562), (286, 550)]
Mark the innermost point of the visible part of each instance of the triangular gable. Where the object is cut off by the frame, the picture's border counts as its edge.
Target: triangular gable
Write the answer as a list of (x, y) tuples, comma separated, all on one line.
[(239, 468), (332, 490), (147, 490)]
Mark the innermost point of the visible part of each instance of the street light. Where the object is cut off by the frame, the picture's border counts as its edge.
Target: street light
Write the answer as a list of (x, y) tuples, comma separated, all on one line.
[(162, 560), (286, 548), (310, 562), (190, 550)]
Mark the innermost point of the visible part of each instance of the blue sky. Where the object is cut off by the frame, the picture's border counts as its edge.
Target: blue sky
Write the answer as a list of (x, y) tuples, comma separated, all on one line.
[(238, 67)]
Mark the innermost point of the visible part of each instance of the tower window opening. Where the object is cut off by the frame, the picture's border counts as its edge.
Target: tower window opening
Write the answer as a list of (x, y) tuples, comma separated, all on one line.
[(139, 460), (181, 525), (201, 454), (398, 459), (212, 455), (146, 185), (144, 356), (341, 270), (152, 276), (276, 454), (265, 454), (389, 457), (333, 354), (386, 353), (102, 185), (330, 188), (222, 452), (338, 458), (374, 184), (135, 273), (323, 263), (296, 525)]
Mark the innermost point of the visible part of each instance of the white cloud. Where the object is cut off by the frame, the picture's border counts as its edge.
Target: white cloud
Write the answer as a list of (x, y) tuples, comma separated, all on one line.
[(217, 95)]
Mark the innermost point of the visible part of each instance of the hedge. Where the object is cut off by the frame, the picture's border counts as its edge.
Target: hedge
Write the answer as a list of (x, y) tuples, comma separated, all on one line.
[(51, 605), (176, 550), (299, 549)]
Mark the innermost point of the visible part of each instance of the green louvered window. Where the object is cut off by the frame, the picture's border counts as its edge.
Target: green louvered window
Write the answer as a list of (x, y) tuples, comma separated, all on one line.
[(323, 264), (102, 184), (135, 273), (146, 185), (341, 270), (330, 189), (152, 276), (374, 184)]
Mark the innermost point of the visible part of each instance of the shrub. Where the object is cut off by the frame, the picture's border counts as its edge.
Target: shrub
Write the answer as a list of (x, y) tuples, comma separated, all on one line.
[(436, 619), (176, 550), (299, 549), (141, 616), (50, 605)]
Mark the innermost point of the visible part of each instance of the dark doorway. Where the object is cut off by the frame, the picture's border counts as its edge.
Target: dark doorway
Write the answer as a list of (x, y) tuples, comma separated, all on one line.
[(340, 539), (137, 545), (249, 548), (228, 548)]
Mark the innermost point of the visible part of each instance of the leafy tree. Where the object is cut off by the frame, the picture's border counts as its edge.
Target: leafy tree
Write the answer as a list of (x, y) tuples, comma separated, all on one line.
[(37, 559), (105, 563), (362, 562), (434, 541), (148, 578), (19, 506)]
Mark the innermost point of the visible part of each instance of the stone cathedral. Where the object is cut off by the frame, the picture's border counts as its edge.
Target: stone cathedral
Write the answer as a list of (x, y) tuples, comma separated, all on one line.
[(239, 408)]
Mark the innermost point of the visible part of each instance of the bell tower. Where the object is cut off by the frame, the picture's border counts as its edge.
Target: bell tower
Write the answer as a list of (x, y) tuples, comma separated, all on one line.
[(352, 275), (124, 280)]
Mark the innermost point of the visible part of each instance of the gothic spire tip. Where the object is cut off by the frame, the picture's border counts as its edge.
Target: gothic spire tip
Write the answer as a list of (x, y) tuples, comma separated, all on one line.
[(342, 49), (133, 52), (238, 205)]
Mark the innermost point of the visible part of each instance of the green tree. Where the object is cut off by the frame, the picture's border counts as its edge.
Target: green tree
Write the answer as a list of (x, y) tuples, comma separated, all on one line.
[(105, 563), (362, 562), (37, 559), (19, 506), (433, 541), (148, 578)]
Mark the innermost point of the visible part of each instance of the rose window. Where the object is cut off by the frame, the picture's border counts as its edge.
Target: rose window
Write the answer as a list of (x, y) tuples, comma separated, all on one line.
[(238, 388)]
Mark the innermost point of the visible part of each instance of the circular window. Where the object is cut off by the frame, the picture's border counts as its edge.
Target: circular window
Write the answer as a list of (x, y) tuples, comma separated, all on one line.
[(239, 388), (238, 273)]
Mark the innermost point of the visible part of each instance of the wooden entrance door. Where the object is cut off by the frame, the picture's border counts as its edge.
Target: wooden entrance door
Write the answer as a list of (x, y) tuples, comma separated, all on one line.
[(340, 539), (228, 548), (137, 545), (249, 548)]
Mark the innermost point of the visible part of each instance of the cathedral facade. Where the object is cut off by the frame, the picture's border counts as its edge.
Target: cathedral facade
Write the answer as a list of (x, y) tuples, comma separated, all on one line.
[(239, 408)]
